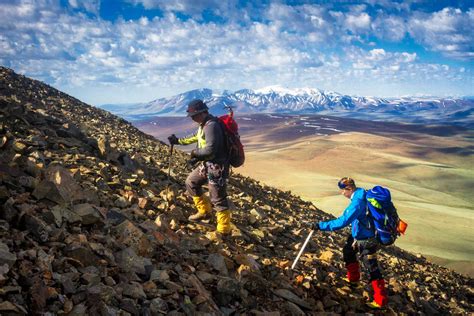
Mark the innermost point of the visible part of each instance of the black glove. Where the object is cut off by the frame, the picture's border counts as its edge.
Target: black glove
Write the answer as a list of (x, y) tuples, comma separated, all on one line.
[(314, 226), (173, 140), (192, 162)]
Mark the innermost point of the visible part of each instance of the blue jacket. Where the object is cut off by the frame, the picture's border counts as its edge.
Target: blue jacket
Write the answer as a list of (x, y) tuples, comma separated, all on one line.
[(354, 214)]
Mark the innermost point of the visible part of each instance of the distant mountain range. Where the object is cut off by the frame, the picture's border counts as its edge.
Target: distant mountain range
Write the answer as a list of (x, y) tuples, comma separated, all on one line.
[(276, 99)]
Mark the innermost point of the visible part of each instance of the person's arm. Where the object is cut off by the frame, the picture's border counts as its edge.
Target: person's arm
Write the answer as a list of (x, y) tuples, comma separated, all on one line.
[(213, 134), (349, 215), (188, 139)]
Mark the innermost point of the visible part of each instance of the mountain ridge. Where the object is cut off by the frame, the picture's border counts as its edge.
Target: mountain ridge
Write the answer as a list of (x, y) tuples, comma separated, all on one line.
[(310, 101), (90, 223)]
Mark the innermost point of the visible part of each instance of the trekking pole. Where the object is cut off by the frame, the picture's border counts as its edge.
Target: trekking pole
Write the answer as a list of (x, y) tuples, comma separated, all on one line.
[(169, 162), (302, 249)]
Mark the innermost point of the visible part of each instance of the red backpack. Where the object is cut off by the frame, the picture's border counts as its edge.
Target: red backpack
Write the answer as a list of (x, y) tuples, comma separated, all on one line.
[(234, 145)]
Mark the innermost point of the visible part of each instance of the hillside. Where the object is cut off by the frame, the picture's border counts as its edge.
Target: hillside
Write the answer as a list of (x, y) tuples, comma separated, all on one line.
[(90, 224)]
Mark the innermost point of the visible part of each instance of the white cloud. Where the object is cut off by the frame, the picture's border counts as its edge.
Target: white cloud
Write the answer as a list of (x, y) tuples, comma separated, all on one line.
[(193, 8), (448, 31), (358, 22), (391, 28), (302, 45)]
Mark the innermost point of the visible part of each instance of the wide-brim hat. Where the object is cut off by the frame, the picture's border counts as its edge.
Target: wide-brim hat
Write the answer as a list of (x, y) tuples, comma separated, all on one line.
[(195, 107)]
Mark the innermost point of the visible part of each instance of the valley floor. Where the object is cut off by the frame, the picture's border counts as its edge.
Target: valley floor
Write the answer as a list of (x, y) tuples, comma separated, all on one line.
[(429, 195), (429, 170)]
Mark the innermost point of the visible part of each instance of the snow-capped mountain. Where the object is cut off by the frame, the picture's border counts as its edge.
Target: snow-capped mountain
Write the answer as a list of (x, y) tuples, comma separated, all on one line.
[(276, 99)]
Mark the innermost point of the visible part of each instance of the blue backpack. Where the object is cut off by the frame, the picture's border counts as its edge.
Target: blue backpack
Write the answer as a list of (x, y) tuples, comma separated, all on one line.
[(384, 214)]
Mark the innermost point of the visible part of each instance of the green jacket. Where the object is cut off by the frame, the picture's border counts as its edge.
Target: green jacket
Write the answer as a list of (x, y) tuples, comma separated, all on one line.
[(210, 141)]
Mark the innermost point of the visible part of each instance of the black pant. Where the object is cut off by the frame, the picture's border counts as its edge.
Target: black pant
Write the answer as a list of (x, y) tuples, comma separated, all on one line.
[(216, 177), (367, 250)]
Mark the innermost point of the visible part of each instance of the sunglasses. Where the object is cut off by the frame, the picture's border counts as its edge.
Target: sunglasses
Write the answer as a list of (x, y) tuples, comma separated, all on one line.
[(341, 185)]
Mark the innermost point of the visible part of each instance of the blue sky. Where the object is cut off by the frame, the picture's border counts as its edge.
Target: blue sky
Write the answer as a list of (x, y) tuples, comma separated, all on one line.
[(139, 50)]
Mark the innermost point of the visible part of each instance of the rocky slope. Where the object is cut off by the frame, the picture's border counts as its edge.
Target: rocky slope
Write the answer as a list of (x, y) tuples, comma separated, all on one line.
[(91, 224)]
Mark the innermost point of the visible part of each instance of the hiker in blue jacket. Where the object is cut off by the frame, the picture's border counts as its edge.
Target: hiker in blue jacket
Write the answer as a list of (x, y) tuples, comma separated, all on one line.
[(362, 240)]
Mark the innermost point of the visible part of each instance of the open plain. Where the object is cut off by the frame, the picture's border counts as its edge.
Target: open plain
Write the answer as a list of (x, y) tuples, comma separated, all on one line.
[(429, 170)]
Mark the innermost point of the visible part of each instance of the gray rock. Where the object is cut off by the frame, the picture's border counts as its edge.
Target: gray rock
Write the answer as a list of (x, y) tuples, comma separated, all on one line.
[(101, 292), (121, 202), (91, 278), (129, 261), (134, 290), (130, 235), (88, 213), (78, 310), (115, 217), (4, 193), (228, 290), (217, 261), (82, 254), (130, 306), (6, 257), (70, 216), (28, 182), (158, 306), (205, 277), (294, 310), (8, 308), (159, 275), (37, 227), (7, 211), (57, 213), (58, 186), (290, 296)]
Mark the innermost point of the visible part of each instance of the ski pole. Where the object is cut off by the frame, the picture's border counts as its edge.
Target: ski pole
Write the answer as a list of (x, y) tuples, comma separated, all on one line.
[(302, 249)]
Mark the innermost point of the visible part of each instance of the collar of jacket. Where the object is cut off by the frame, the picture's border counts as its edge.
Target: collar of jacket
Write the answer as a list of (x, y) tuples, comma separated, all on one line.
[(207, 119)]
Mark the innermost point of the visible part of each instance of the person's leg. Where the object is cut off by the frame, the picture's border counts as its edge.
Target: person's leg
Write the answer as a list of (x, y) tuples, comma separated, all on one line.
[(368, 252), (218, 193), (194, 182), (349, 253)]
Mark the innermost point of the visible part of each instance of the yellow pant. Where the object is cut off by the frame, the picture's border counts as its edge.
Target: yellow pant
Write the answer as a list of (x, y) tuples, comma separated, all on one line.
[(223, 222), (202, 203)]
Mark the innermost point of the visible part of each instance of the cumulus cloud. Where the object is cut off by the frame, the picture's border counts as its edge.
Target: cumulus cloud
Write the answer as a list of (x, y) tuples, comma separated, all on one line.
[(194, 8), (448, 31), (390, 28), (92, 6), (379, 58), (304, 44)]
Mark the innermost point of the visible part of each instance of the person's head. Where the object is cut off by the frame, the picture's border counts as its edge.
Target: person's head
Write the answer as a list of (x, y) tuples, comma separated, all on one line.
[(197, 110), (347, 186)]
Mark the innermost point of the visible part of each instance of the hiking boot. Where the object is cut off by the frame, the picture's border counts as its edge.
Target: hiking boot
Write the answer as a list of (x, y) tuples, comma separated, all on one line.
[(198, 217), (203, 207), (217, 236), (351, 284), (380, 293), (374, 305)]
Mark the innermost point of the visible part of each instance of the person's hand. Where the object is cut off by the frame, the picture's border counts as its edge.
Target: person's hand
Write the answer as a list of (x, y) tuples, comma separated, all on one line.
[(173, 140), (314, 226), (193, 153), (192, 162)]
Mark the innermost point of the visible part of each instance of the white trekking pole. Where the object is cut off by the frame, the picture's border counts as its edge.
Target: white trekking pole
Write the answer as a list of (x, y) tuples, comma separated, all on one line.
[(302, 249)]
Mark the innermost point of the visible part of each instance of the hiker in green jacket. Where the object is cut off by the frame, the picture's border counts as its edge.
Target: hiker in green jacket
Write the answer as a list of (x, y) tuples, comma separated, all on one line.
[(213, 167)]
